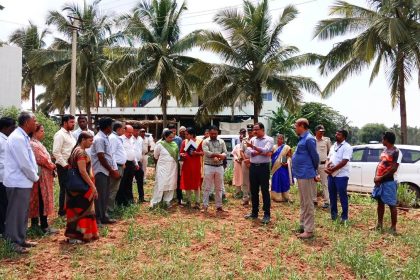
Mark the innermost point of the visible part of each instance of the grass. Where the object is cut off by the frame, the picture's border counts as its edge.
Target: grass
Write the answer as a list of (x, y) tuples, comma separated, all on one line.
[(181, 243)]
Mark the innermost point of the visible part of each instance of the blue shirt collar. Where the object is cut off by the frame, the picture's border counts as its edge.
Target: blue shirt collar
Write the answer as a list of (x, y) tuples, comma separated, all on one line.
[(304, 135)]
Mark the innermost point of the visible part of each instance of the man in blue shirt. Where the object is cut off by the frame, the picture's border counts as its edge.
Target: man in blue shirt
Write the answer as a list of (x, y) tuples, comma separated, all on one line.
[(304, 167)]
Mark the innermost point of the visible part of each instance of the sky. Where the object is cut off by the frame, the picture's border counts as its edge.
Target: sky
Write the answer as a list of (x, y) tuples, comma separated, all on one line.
[(356, 99)]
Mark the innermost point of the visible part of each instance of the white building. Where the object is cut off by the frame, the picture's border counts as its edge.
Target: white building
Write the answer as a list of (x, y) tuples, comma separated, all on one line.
[(10, 76), (185, 115)]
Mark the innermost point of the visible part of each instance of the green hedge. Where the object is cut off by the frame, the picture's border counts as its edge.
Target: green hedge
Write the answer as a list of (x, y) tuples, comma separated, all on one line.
[(49, 124)]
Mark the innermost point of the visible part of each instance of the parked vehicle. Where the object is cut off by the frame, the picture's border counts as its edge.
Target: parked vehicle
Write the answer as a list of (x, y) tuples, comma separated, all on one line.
[(365, 160)]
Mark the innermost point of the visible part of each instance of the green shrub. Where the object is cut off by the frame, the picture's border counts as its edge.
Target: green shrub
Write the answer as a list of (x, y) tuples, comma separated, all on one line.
[(49, 124), (406, 197), (229, 174)]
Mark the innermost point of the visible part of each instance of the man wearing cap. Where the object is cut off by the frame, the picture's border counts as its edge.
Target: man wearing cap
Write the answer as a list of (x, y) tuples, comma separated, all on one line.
[(246, 163), (323, 146)]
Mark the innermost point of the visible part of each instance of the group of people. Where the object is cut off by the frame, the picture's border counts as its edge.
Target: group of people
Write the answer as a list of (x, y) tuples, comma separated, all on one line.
[(96, 173)]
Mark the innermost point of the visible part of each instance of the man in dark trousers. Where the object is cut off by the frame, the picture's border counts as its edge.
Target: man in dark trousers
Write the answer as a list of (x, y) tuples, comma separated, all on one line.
[(7, 125), (258, 150), (64, 143), (104, 167)]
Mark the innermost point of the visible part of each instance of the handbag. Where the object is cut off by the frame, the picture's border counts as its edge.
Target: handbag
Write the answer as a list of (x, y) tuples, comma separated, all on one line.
[(75, 182)]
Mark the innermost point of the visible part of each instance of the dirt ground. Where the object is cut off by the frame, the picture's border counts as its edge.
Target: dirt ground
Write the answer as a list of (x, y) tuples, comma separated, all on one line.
[(182, 243)]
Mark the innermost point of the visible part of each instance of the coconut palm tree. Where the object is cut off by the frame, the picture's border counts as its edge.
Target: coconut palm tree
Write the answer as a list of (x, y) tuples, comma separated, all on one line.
[(94, 38), (29, 38), (387, 34), (159, 62), (255, 59)]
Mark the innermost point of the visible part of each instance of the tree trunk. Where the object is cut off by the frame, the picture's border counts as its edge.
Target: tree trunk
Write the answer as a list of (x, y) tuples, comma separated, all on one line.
[(33, 98), (164, 105), (403, 109), (257, 102), (87, 105)]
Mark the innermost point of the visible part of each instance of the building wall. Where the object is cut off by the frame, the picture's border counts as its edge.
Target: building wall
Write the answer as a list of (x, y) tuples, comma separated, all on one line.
[(10, 76)]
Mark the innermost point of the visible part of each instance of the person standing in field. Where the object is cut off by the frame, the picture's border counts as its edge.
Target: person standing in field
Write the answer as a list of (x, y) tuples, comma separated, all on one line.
[(323, 146), (81, 220), (7, 126), (138, 142), (259, 150), (104, 167), (62, 147), (166, 154), (42, 196), (246, 163), (178, 140), (191, 178), (214, 154), (281, 168), (385, 190), (125, 193), (120, 156), (20, 173), (82, 122), (146, 148), (237, 179), (305, 163), (338, 170)]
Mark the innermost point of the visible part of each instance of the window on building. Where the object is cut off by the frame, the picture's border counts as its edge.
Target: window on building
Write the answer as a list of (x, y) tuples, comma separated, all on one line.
[(267, 96)]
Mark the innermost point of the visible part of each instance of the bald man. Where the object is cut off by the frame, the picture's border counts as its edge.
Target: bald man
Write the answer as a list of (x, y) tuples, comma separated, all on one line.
[(125, 193)]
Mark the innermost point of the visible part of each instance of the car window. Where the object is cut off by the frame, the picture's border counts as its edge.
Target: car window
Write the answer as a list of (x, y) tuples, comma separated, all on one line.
[(357, 155), (373, 155), (228, 143), (410, 156)]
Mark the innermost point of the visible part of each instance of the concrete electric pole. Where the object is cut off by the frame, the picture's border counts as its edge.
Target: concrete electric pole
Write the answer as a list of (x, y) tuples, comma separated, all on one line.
[(75, 28)]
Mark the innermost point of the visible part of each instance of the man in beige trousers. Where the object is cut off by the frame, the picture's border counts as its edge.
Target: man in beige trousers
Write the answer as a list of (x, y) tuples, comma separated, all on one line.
[(305, 163), (323, 146)]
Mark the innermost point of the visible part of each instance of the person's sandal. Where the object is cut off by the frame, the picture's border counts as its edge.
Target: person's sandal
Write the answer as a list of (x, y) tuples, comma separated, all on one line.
[(74, 241), (306, 235)]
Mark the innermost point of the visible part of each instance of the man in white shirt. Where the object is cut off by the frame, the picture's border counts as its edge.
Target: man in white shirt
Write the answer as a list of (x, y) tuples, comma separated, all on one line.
[(63, 144), (338, 170), (125, 193), (20, 173), (7, 126), (120, 157), (83, 126), (141, 153), (147, 147)]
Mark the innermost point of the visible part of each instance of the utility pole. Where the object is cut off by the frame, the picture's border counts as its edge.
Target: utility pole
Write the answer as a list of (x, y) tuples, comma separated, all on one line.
[(75, 28)]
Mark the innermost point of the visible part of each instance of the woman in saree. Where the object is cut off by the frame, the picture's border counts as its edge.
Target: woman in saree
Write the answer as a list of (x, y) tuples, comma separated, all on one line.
[(166, 156), (41, 204), (237, 179), (281, 169), (80, 210), (191, 177)]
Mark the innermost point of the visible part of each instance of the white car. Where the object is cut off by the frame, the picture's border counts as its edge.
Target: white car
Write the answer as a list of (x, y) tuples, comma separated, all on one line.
[(365, 160)]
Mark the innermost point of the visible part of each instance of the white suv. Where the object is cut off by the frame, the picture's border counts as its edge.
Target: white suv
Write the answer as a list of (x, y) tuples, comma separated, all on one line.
[(365, 160)]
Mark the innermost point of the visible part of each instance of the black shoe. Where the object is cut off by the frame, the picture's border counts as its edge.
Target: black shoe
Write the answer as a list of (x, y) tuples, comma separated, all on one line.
[(265, 220), (109, 221), (251, 217), (326, 206)]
